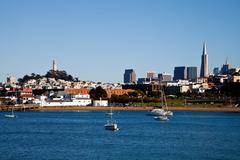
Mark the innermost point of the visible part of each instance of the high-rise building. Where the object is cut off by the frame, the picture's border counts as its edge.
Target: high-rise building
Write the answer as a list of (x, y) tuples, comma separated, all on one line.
[(204, 62), (192, 74), (54, 66), (180, 73), (163, 77), (216, 71), (151, 74), (129, 76), (226, 67)]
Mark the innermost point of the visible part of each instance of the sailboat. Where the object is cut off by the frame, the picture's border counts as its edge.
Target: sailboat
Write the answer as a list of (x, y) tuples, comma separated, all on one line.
[(12, 115), (160, 111), (111, 124), (167, 112)]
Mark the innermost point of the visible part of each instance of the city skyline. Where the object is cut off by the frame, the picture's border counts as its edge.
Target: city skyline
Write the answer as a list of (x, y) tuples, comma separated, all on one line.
[(98, 41)]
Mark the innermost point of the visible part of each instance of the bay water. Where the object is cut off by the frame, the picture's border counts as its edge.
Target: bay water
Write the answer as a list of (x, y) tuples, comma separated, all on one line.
[(81, 135)]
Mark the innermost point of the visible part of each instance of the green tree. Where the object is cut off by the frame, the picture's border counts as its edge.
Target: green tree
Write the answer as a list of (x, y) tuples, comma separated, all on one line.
[(98, 93)]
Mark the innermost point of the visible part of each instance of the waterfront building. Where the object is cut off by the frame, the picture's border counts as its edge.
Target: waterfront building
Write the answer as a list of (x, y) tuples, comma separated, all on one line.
[(180, 73), (204, 62), (63, 99), (164, 77), (102, 103), (192, 74), (129, 76)]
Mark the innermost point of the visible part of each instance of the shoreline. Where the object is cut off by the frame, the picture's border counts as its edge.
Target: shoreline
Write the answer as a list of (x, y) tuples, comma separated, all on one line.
[(115, 108), (100, 108)]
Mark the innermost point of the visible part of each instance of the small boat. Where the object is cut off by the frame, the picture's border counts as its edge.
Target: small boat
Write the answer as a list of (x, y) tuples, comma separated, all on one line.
[(163, 110), (161, 118), (111, 126), (157, 112), (12, 115)]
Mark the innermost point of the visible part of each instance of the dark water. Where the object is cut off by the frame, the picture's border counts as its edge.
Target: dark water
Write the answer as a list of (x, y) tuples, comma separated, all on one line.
[(81, 135)]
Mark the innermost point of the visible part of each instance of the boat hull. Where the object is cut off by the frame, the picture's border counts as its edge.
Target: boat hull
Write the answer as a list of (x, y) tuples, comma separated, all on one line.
[(111, 126), (10, 116), (161, 118)]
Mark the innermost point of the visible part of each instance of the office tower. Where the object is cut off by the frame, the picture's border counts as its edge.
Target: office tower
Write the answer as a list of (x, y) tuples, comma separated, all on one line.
[(180, 73), (192, 74), (204, 63), (54, 66), (226, 67), (163, 77), (129, 76), (216, 71), (151, 74)]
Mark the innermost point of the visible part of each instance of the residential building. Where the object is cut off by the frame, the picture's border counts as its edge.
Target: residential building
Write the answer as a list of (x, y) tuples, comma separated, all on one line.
[(11, 80)]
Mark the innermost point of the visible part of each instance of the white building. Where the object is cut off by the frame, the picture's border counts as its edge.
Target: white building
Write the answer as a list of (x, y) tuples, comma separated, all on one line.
[(103, 103), (75, 100)]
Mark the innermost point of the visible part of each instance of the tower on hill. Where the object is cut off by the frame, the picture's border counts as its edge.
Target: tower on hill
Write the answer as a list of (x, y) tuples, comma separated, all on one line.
[(54, 66)]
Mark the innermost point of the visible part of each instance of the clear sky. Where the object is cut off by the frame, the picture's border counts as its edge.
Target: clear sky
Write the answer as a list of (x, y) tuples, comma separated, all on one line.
[(98, 39)]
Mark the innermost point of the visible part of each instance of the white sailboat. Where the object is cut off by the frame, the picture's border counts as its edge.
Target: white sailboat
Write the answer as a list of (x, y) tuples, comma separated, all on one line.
[(167, 112), (160, 111), (111, 124), (12, 115)]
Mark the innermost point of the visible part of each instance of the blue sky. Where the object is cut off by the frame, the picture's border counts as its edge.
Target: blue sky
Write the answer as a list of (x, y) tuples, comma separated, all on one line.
[(98, 39)]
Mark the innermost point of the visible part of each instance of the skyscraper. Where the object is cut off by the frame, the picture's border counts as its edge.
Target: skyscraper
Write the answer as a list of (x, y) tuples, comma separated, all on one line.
[(180, 73), (204, 63), (129, 76), (226, 67), (192, 74)]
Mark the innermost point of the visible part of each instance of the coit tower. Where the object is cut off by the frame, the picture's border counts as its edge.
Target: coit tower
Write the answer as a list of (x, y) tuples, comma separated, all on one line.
[(204, 63), (54, 66)]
